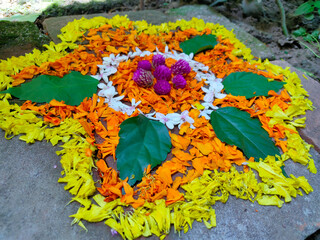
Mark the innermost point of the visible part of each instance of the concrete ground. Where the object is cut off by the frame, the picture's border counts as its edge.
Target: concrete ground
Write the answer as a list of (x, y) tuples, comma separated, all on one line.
[(34, 206)]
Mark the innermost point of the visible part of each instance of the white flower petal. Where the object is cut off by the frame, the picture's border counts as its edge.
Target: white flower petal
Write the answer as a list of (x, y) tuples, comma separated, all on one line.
[(208, 97), (118, 98), (170, 125), (189, 119), (102, 86), (145, 53), (110, 70), (209, 105), (105, 78), (205, 114), (100, 94), (206, 90), (161, 117), (175, 118), (220, 95)]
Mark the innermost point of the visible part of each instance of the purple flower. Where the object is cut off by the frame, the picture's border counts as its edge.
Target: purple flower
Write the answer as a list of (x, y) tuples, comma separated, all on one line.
[(158, 60), (143, 77), (180, 67), (162, 72), (162, 87), (145, 64), (179, 81), (113, 232)]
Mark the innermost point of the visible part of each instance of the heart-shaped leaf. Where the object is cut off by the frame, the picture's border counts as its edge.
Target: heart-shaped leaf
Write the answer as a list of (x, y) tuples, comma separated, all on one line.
[(198, 44), (304, 8), (71, 89), (249, 84), (236, 127), (300, 32), (142, 142)]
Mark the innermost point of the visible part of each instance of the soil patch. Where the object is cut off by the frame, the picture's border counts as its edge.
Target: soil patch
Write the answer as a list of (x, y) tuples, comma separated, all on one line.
[(265, 24)]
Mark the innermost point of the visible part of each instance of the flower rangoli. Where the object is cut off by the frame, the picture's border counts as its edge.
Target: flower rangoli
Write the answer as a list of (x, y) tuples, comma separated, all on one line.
[(167, 136)]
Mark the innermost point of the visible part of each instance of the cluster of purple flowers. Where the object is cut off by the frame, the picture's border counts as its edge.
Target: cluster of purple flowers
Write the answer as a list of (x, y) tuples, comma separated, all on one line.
[(144, 77)]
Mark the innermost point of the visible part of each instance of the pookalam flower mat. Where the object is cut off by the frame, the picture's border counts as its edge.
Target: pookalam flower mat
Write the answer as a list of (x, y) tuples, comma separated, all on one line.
[(175, 117)]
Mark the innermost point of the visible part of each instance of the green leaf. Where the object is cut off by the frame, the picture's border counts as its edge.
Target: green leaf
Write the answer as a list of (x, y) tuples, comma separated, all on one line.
[(198, 44), (317, 4), (236, 127), (249, 84), (304, 8), (315, 33), (71, 89), (309, 38), (309, 16), (142, 142), (299, 32)]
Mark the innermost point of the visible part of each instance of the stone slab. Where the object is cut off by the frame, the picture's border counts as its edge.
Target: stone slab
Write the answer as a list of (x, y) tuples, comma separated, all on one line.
[(311, 133), (34, 206), (156, 17)]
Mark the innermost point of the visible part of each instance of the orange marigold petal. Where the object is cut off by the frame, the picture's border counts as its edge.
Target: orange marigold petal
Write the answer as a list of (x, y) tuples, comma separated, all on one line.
[(173, 196)]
